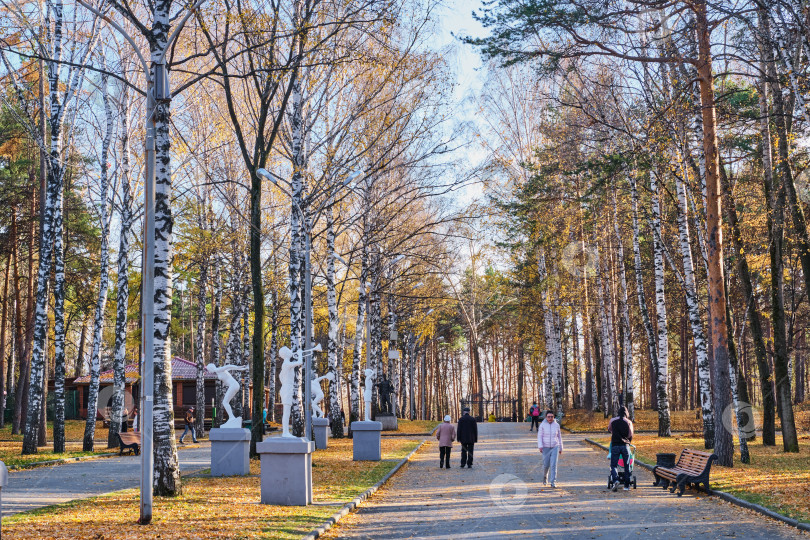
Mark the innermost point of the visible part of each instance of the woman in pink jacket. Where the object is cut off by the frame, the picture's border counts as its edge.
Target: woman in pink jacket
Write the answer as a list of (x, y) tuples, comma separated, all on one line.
[(446, 434)]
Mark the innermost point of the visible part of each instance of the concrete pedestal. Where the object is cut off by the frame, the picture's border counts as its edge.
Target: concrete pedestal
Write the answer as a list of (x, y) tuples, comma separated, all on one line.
[(388, 421), (366, 441), (230, 451), (319, 426), (286, 475)]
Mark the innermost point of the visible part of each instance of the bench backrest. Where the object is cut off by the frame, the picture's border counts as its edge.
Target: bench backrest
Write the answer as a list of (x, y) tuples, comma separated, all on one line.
[(129, 438), (694, 459)]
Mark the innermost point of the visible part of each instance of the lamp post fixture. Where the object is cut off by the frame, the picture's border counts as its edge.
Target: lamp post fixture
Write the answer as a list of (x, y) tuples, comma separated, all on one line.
[(307, 295), (157, 91)]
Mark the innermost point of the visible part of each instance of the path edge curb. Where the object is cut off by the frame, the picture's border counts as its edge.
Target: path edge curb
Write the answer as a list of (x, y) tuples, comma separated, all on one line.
[(332, 520), (730, 498)]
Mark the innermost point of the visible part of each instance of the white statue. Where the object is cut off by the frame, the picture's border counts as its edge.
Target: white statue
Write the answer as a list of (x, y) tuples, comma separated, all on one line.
[(317, 394), (368, 389), (224, 375), (287, 379)]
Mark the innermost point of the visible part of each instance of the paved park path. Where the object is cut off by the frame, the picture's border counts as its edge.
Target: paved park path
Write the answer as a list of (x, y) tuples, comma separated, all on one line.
[(502, 496), (43, 486)]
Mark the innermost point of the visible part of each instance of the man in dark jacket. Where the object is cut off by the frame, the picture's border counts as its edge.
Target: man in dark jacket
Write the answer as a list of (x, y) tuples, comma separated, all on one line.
[(621, 434), (467, 435)]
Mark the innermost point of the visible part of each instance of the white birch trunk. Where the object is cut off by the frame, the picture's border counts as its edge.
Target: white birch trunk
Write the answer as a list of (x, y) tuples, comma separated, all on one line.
[(606, 339), (358, 335), (695, 320), (59, 330), (553, 345), (167, 470), (122, 285), (642, 302), (332, 344), (662, 378), (297, 256), (624, 320), (101, 303), (271, 372)]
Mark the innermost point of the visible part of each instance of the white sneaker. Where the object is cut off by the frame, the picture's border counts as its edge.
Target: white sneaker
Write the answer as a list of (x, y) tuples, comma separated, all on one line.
[(554, 484), (627, 489), (615, 487)]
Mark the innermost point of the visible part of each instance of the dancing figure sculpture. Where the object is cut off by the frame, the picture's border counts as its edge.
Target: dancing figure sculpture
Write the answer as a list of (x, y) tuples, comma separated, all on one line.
[(224, 375), (317, 394)]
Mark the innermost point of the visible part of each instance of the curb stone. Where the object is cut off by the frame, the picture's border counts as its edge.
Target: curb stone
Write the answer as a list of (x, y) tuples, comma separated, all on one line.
[(731, 498), (357, 501)]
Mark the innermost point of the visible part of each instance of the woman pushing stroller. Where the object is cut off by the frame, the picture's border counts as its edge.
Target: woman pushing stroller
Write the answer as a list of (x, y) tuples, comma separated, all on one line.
[(621, 430)]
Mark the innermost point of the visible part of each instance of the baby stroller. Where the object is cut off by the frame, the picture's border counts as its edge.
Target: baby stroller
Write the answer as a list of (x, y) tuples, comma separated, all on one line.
[(632, 451)]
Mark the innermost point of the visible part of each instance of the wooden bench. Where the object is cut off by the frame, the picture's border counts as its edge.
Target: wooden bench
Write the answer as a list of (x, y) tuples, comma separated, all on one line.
[(693, 468), (129, 441)]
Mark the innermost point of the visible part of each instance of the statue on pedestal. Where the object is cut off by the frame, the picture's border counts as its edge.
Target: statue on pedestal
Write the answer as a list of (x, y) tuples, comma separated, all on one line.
[(368, 389), (287, 379), (317, 394), (386, 390), (224, 375)]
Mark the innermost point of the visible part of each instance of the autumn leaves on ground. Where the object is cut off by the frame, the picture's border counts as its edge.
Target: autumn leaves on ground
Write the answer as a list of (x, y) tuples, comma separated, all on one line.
[(216, 507)]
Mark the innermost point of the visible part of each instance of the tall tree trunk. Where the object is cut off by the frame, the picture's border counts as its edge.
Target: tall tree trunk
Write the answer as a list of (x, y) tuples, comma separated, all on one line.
[(782, 188), (199, 344), (332, 344), (751, 302), (723, 444), (606, 339), (104, 281), (745, 420), (662, 367), (271, 375), (59, 330), (3, 321), (215, 342), (642, 301), (695, 320), (122, 285), (627, 345)]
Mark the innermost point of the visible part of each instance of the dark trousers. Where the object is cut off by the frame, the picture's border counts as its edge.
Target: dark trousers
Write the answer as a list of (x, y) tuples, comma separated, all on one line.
[(535, 422), (444, 456), (617, 452), (467, 454)]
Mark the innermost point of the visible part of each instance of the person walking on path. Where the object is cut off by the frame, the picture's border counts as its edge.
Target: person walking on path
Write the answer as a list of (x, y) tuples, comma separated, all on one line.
[(446, 434), (189, 426), (621, 434), (534, 413), (549, 441), (467, 433)]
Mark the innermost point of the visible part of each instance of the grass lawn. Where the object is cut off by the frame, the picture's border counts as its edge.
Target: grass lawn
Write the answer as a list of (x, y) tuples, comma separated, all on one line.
[(215, 507), (11, 445), (416, 426), (582, 420), (685, 421), (773, 479)]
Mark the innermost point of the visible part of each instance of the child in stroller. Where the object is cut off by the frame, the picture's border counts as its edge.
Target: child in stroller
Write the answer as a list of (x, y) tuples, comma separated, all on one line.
[(628, 469)]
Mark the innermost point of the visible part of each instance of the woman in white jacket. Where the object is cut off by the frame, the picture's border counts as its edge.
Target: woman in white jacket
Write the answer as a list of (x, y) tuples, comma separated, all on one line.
[(549, 441)]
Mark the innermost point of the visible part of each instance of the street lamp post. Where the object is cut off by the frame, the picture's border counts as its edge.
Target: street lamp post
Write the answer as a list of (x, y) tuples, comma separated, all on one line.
[(157, 91)]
